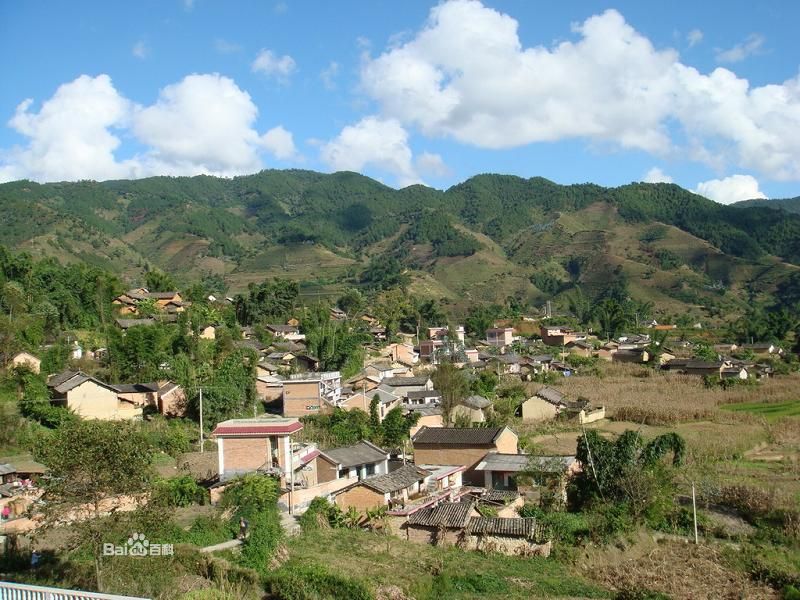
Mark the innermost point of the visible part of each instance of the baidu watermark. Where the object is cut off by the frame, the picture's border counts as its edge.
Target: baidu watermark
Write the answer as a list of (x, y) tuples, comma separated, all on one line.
[(138, 545)]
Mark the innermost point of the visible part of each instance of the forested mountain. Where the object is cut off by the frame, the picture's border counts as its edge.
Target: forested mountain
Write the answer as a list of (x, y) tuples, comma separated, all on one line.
[(791, 205), (491, 238)]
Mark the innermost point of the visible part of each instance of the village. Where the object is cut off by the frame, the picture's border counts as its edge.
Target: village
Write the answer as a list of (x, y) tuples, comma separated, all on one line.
[(456, 465)]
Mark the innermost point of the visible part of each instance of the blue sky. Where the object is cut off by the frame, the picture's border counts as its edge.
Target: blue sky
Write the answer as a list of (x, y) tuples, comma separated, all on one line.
[(406, 91)]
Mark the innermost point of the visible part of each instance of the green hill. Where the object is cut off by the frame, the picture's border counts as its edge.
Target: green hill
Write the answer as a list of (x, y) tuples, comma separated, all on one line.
[(487, 239), (791, 205)]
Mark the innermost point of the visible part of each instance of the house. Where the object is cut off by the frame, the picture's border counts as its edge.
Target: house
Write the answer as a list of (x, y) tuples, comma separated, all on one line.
[(501, 471), (442, 524), (608, 350), (172, 401), (514, 537), (763, 349), (285, 332), (362, 400), (269, 387), (90, 398), (402, 385), (380, 370), (472, 408), (461, 446), (360, 460), (260, 444), (139, 394), (472, 355), (500, 336), (165, 301), (508, 364), (544, 405), (429, 416), (337, 314), (505, 503), (396, 488), (402, 353), (437, 333), (429, 348), (549, 403), (126, 324), (306, 362), (580, 348), (632, 355), (558, 335), (422, 397), (28, 360), (722, 369), (311, 393)]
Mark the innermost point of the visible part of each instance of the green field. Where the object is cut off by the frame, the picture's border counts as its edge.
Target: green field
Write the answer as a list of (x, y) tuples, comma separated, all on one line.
[(768, 410)]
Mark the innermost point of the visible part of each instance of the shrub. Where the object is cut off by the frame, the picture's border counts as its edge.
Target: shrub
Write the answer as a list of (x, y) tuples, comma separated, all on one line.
[(179, 491), (317, 515), (315, 582)]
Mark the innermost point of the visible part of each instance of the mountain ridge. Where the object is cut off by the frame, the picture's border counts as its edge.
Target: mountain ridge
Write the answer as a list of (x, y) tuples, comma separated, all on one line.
[(485, 239)]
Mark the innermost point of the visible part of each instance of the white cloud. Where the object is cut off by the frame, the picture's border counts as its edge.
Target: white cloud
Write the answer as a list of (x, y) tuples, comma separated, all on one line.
[(375, 142), (280, 143), (188, 4), (140, 50), (269, 63), (431, 164), (694, 37), (280, 8), (656, 175), (71, 135), (201, 124), (328, 75), (730, 189), (751, 45), (466, 75)]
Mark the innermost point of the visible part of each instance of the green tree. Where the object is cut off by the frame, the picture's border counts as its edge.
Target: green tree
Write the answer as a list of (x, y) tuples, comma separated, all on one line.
[(159, 281), (374, 418), (395, 427), (452, 384), (89, 462)]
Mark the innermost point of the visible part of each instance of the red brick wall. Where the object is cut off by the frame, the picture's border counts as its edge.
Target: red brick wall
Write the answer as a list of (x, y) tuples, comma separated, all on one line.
[(245, 453)]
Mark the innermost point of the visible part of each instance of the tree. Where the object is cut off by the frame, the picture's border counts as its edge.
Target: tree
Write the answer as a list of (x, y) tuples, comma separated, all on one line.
[(374, 418), (395, 427), (452, 384), (611, 317), (89, 462), (609, 464), (351, 302), (579, 305), (159, 281)]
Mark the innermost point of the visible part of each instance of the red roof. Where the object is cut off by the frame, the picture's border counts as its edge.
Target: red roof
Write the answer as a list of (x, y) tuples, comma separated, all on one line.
[(309, 457), (256, 429)]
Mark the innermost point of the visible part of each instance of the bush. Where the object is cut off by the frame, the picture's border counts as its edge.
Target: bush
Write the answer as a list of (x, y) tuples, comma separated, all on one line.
[(317, 515), (315, 582), (179, 491), (567, 528)]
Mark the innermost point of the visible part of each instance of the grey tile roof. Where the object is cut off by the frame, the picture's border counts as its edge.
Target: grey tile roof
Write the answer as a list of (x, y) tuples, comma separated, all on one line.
[(420, 394), (477, 402), (425, 410), (405, 381), (395, 481), (135, 388), (500, 496), (457, 436), (525, 528), (494, 461), (6, 469), (128, 323), (361, 453), (454, 515), (553, 396)]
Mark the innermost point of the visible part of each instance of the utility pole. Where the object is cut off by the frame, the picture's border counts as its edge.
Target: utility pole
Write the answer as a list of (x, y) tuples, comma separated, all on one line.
[(694, 511), (202, 440)]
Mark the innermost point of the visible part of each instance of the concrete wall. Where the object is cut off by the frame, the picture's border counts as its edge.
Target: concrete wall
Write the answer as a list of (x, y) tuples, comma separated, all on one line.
[(536, 409)]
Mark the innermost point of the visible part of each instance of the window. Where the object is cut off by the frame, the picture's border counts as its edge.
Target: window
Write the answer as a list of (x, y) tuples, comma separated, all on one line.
[(369, 469)]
